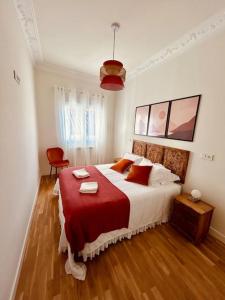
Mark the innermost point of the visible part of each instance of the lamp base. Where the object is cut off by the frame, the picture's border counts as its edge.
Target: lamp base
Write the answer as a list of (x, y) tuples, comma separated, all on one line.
[(193, 199)]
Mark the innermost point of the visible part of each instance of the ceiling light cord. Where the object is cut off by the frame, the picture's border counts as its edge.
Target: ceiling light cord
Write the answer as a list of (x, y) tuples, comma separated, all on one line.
[(114, 41)]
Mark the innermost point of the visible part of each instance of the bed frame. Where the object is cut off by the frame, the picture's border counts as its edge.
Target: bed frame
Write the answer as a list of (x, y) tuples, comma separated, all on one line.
[(172, 158)]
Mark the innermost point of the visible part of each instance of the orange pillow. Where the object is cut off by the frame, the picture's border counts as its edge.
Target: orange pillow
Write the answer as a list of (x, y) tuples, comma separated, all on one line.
[(139, 174), (122, 165)]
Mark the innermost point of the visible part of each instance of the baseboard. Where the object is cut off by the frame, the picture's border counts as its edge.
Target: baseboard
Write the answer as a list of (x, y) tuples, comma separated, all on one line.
[(217, 234), (16, 279)]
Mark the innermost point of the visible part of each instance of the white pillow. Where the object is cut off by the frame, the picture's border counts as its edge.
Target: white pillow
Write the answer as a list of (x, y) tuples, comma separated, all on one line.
[(159, 174), (135, 158), (171, 178), (145, 162)]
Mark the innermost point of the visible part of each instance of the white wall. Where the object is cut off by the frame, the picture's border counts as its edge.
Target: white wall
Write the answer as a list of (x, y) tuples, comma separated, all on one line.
[(46, 77), (199, 70), (19, 174)]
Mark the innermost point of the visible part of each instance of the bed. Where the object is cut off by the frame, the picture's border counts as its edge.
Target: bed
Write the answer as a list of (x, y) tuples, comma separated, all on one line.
[(148, 206)]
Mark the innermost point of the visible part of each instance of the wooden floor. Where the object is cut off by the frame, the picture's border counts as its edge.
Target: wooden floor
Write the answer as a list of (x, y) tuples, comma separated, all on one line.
[(157, 264)]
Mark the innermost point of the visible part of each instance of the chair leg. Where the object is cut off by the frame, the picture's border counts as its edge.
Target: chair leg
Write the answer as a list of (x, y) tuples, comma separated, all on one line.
[(56, 171), (51, 171)]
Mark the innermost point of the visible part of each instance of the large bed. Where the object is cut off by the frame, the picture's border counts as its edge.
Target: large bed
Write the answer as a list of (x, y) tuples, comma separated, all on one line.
[(148, 205)]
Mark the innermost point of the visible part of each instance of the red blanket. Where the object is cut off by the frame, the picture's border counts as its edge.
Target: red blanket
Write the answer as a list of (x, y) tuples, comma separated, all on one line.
[(89, 215)]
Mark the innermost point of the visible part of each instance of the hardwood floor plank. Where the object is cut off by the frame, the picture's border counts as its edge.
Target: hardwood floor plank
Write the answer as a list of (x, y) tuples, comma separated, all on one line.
[(157, 295), (158, 264)]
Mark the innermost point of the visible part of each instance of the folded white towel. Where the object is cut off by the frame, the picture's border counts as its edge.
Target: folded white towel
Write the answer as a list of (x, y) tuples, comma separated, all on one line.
[(88, 192), (88, 187), (81, 173)]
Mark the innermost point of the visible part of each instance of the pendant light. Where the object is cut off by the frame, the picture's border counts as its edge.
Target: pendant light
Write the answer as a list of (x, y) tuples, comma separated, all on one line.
[(112, 73)]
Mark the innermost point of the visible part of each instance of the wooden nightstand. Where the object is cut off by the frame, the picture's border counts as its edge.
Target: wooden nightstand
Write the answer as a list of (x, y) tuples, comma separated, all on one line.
[(117, 159), (191, 218)]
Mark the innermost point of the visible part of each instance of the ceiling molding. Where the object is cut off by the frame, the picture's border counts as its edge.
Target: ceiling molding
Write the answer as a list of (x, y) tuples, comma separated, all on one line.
[(206, 29), (26, 16)]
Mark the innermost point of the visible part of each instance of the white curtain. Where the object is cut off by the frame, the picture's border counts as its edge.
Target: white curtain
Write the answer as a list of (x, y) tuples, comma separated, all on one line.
[(81, 123)]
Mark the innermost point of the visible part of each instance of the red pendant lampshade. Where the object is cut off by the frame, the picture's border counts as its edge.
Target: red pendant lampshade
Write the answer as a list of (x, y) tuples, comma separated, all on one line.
[(112, 73), (112, 83)]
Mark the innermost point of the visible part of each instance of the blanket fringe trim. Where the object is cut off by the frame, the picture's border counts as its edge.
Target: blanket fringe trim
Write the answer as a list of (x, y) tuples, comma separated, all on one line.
[(79, 270), (98, 246)]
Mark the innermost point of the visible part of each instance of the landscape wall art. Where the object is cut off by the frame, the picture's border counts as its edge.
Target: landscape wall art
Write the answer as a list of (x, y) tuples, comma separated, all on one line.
[(174, 119), (141, 119), (158, 119), (182, 120)]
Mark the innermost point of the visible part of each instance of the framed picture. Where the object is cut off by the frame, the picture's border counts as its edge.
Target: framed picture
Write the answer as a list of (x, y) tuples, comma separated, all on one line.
[(182, 118), (158, 119), (141, 120)]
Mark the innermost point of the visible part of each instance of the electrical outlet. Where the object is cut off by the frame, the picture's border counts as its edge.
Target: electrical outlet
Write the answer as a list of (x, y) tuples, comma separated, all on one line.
[(16, 77), (207, 156)]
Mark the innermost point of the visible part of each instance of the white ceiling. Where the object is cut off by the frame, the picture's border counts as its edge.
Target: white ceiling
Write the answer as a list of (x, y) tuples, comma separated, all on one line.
[(77, 33)]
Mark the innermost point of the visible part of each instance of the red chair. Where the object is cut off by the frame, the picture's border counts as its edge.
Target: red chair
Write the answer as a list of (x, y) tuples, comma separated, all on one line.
[(55, 158)]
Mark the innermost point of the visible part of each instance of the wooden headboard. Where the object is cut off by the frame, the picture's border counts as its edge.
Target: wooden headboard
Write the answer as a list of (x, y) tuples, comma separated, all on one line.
[(172, 158), (139, 148), (155, 153)]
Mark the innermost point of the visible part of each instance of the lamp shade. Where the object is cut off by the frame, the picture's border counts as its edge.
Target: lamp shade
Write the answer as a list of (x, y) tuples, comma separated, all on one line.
[(196, 194), (112, 83), (112, 67)]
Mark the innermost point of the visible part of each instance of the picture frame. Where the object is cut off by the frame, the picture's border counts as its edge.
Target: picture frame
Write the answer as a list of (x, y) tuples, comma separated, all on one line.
[(177, 121), (141, 119), (182, 118), (158, 119)]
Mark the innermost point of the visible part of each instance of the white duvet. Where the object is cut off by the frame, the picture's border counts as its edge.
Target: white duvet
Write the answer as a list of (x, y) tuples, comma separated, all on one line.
[(147, 204)]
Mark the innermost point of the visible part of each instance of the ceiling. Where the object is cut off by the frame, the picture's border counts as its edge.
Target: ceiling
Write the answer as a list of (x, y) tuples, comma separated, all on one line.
[(77, 33)]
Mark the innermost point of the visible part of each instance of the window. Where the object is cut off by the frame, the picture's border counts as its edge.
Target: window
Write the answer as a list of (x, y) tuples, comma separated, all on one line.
[(80, 126), (90, 127)]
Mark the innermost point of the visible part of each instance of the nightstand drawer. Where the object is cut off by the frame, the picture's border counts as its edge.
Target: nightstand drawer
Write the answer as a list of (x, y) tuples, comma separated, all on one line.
[(185, 212), (184, 225)]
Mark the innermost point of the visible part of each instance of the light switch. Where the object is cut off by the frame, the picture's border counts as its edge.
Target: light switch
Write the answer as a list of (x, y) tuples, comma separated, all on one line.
[(16, 77), (207, 156)]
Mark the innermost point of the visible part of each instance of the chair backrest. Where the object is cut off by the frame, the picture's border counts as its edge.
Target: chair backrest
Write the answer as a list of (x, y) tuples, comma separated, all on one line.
[(54, 154)]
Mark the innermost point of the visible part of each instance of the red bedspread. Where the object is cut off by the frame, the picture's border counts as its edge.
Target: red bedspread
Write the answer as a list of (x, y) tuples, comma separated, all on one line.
[(89, 215)]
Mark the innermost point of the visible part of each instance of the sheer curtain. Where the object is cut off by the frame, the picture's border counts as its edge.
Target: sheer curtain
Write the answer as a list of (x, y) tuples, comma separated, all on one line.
[(81, 123)]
